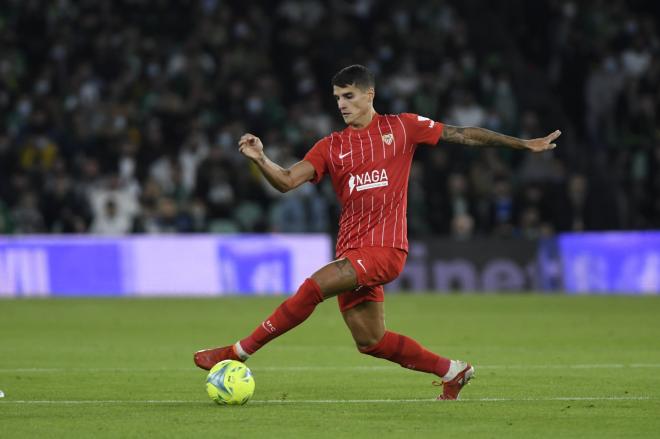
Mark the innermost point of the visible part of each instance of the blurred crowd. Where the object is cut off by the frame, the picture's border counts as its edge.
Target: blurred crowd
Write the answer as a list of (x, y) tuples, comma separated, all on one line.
[(122, 116)]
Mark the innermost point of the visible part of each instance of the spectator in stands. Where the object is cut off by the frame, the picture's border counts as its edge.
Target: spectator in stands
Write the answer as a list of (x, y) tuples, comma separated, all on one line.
[(98, 89), (26, 216)]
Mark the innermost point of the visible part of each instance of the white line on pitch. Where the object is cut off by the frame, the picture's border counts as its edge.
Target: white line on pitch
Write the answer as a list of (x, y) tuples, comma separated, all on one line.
[(340, 401), (327, 368)]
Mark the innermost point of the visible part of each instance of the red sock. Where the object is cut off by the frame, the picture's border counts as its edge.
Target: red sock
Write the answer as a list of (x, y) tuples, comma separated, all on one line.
[(408, 353), (292, 312)]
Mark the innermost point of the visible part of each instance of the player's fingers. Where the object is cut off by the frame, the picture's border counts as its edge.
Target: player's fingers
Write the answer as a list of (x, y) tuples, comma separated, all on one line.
[(552, 136)]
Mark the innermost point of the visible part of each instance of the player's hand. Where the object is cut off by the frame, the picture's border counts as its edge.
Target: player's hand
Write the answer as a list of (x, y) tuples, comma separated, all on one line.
[(250, 146), (543, 143)]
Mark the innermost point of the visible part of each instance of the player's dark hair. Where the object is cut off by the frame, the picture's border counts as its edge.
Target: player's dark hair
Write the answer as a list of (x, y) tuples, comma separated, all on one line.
[(356, 75)]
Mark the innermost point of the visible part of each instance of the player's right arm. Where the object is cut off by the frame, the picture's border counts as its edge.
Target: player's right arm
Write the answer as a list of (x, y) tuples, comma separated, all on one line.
[(281, 179)]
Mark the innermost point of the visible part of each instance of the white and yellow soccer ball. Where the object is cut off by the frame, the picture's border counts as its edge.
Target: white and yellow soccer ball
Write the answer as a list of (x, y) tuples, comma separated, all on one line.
[(230, 382)]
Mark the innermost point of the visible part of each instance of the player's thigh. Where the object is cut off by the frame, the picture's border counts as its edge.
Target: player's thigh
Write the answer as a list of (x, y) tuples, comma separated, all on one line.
[(366, 322), (336, 277)]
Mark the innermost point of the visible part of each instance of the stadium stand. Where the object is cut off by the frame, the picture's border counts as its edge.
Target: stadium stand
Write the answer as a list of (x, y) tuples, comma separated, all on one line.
[(122, 116)]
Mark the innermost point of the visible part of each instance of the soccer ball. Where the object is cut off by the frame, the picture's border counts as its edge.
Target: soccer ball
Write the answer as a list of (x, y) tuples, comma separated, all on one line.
[(230, 382)]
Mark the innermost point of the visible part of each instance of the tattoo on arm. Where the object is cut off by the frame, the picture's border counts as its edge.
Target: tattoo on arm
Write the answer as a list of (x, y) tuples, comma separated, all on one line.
[(454, 134), (474, 136)]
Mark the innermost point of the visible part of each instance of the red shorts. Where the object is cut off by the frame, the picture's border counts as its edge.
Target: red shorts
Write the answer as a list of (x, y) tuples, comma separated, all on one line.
[(374, 266)]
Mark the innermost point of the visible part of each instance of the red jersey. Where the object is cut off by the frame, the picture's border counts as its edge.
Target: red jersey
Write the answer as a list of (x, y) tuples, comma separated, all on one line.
[(369, 169)]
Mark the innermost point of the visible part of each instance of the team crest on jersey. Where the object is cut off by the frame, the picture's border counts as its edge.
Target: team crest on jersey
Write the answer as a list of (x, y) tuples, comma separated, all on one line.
[(368, 180), (388, 138)]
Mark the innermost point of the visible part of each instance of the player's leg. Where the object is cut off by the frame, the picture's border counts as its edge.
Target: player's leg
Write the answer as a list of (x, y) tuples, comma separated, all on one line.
[(363, 313), (367, 325), (330, 280), (366, 321), (336, 277)]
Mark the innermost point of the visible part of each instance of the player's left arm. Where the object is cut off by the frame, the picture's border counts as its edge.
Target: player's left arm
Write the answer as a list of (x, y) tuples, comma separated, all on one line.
[(475, 136)]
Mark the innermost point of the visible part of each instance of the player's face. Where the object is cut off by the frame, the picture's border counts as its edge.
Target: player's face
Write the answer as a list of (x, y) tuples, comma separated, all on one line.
[(353, 102)]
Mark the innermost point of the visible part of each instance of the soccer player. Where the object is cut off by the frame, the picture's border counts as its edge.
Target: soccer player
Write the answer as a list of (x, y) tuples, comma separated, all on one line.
[(369, 164)]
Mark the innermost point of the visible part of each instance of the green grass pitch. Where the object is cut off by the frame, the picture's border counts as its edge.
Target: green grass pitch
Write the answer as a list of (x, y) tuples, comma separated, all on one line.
[(546, 367)]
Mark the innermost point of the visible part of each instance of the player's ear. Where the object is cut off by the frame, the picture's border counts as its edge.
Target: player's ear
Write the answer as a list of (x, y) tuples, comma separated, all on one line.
[(371, 93)]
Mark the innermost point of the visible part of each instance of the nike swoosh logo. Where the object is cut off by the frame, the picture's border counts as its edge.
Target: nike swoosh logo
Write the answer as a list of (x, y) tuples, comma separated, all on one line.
[(359, 261), (341, 156)]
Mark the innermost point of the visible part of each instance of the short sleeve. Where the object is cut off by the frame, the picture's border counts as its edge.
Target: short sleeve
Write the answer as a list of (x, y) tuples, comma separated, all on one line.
[(422, 129), (316, 156)]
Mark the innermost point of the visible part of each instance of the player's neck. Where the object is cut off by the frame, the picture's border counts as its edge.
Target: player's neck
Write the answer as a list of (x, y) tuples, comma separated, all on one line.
[(364, 120)]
